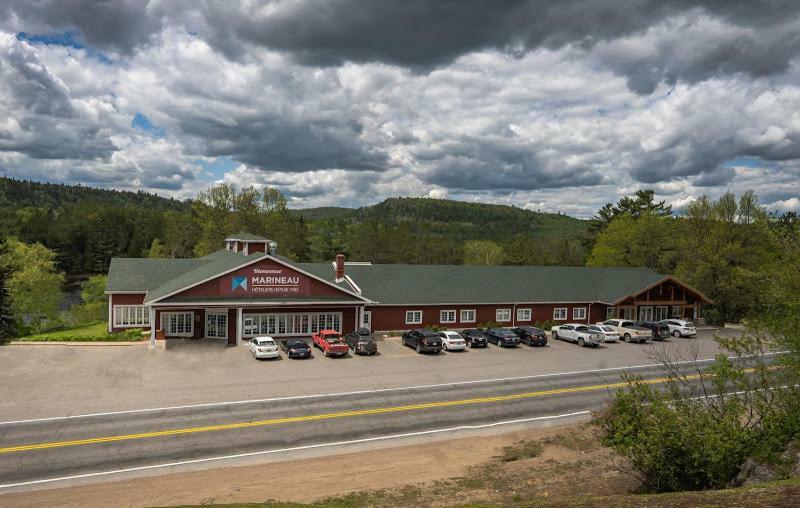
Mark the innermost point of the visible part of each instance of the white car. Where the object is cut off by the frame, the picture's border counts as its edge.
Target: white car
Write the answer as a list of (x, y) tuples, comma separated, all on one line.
[(577, 332), (680, 327), (264, 347), (452, 341), (628, 330), (609, 334)]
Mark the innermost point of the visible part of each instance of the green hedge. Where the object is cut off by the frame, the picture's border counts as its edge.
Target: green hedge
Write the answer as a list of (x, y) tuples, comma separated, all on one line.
[(93, 332)]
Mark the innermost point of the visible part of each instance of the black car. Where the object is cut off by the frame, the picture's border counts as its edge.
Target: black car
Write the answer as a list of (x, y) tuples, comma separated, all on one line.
[(474, 337), (362, 342), (296, 348), (424, 341), (502, 337), (531, 335), (660, 330)]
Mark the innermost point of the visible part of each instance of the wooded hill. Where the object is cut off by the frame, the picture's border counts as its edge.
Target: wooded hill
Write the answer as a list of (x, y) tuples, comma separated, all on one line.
[(87, 227)]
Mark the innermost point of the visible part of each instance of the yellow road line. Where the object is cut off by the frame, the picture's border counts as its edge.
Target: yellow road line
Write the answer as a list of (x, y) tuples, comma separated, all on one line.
[(327, 416)]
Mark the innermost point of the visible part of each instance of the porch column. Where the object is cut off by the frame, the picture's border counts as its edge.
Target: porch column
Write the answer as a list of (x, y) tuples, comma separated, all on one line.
[(239, 326), (152, 329)]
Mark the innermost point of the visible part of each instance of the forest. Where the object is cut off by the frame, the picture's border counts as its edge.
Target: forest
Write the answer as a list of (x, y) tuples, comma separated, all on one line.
[(732, 249)]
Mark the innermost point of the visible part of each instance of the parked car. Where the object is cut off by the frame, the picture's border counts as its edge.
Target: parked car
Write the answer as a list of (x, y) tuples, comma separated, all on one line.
[(579, 333), (452, 341), (264, 347), (531, 335), (330, 342), (502, 337), (609, 334), (296, 348), (474, 337), (424, 341), (362, 342), (680, 327), (628, 330), (660, 330)]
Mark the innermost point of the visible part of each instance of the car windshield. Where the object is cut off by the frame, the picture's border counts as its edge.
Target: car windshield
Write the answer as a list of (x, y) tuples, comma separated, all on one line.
[(594, 328), (452, 335), (265, 342), (581, 328), (608, 329), (332, 338), (296, 343)]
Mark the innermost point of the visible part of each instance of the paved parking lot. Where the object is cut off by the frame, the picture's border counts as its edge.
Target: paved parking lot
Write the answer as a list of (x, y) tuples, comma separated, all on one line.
[(44, 381)]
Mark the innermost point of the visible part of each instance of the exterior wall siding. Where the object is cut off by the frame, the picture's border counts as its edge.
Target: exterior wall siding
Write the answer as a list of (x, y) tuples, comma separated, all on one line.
[(123, 299), (390, 318)]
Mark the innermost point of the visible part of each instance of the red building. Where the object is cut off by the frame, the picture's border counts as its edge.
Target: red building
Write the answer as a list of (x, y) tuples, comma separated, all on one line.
[(246, 290)]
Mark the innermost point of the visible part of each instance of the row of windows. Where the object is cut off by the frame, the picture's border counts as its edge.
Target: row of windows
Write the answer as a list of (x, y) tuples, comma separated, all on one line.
[(291, 324), (414, 317), (131, 315), (646, 312), (178, 324)]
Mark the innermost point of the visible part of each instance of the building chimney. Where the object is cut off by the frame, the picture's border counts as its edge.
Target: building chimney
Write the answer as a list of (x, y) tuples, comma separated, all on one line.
[(339, 266), (273, 248)]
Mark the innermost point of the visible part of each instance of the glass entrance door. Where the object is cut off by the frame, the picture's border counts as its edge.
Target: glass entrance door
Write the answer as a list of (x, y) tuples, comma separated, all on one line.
[(217, 325), (646, 313)]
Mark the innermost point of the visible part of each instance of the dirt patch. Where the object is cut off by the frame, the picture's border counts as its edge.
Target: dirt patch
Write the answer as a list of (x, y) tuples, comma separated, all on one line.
[(536, 463)]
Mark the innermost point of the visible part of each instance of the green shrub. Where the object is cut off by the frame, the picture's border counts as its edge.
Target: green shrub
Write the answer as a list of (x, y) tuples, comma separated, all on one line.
[(490, 324), (545, 325)]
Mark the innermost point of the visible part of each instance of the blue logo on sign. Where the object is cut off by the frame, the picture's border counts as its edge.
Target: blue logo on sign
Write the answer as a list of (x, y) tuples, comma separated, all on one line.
[(239, 282)]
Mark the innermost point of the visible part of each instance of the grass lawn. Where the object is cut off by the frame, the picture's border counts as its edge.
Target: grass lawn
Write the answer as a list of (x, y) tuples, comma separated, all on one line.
[(91, 332)]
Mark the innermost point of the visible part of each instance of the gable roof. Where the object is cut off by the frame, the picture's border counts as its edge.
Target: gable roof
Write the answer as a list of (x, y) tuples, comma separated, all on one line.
[(456, 284), (139, 275)]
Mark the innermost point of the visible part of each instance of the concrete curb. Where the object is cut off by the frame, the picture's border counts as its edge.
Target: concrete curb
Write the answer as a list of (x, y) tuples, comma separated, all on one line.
[(73, 343)]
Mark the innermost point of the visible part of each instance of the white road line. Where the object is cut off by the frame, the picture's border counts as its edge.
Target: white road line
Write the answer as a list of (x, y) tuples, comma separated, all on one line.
[(292, 449), (357, 392)]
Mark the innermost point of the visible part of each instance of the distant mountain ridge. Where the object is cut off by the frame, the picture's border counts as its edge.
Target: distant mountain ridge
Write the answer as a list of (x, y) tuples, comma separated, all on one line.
[(25, 193), (458, 219)]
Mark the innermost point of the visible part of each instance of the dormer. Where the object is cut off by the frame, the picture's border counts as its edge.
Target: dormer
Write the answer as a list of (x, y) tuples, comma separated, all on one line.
[(249, 244)]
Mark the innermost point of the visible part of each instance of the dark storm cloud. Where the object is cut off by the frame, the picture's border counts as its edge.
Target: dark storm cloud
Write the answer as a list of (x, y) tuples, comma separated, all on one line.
[(424, 34), (281, 143), (715, 178), (474, 164)]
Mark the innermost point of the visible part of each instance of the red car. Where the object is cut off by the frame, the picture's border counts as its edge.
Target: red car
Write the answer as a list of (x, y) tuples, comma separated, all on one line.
[(331, 343)]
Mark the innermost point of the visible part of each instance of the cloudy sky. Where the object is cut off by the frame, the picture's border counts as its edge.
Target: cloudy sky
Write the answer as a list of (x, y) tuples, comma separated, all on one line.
[(559, 106)]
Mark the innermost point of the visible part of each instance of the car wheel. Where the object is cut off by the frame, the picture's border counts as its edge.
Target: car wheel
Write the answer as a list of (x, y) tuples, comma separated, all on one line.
[(627, 337), (444, 346), (581, 342), (555, 335), (676, 333), (419, 348)]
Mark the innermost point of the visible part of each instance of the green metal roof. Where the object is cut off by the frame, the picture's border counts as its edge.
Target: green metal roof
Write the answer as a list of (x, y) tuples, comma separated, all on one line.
[(402, 284), (262, 299), (144, 274), (435, 284), (247, 237)]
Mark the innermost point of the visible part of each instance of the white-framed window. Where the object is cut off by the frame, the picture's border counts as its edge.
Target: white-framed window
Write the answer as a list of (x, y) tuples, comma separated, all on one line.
[(447, 316), (523, 314), (662, 312), (131, 315), (467, 315), (560, 314), (178, 324), (290, 324), (502, 315), (627, 313), (676, 311), (579, 313), (217, 324), (413, 317), (609, 312)]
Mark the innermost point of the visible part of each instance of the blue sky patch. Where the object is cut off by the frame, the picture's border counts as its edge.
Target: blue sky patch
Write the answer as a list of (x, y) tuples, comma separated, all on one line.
[(144, 124), (67, 38)]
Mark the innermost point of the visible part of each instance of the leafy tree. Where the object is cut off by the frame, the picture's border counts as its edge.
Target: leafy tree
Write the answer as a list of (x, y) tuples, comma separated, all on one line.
[(94, 305), (34, 284), (6, 318), (641, 204), (650, 240), (728, 253), (483, 252), (157, 249)]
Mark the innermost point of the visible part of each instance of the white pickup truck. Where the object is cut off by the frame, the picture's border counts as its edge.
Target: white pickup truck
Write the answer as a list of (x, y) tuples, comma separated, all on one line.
[(577, 332), (628, 330)]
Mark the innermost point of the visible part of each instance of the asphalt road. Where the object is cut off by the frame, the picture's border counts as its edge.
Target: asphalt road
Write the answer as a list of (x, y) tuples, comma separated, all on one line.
[(64, 447)]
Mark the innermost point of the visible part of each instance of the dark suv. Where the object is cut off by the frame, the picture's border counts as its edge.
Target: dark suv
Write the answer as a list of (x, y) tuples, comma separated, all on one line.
[(362, 342), (660, 330), (474, 337), (502, 337), (424, 341), (531, 335)]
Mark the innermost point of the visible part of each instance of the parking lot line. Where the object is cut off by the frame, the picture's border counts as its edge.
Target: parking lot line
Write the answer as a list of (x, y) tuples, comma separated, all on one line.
[(327, 416)]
